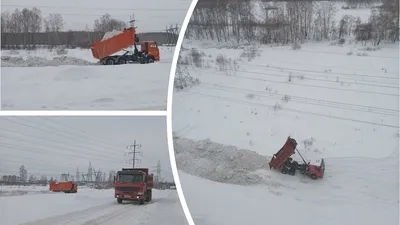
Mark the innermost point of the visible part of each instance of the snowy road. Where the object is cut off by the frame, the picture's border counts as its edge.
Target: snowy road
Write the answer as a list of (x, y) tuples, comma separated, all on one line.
[(85, 208)]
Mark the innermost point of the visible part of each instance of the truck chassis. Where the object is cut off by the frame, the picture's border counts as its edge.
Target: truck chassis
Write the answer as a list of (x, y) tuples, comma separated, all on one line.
[(141, 58)]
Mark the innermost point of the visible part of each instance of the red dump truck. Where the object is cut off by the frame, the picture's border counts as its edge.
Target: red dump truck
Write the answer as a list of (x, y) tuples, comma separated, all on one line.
[(282, 160), (105, 50), (133, 185), (66, 187)]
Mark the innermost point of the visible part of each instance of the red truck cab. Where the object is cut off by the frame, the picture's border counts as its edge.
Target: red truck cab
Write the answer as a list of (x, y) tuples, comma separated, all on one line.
[(151, 47), (133, 185)]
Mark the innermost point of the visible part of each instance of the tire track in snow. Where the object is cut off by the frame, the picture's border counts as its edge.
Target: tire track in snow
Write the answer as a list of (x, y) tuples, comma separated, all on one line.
[(228, 164), (96, 215)]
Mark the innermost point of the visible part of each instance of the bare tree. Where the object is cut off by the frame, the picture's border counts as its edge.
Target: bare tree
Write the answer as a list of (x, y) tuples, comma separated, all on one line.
[(53, 24), (106, 23), (23, 173)]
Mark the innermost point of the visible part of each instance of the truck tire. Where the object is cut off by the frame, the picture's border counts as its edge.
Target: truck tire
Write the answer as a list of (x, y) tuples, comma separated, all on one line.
[(110, 61), (150, 59), (313, 176), (148, 197), (284, 170), (121, 61), (119, 201)]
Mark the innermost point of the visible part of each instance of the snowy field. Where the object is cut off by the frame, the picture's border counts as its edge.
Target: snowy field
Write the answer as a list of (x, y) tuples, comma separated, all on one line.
[(88, 206), (340, 102), (44, 80)]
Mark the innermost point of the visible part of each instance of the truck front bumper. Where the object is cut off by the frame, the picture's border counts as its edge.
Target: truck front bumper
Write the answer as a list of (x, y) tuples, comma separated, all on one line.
[(129, 196)]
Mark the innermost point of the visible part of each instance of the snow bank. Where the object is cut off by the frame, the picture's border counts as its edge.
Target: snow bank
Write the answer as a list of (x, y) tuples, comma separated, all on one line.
[(111, 34), (34, 61), (221, 163)]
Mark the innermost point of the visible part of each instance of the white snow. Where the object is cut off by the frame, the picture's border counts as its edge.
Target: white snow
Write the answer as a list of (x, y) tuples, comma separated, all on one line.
[(338, 106), (37, 81), (90, 206), (111, 34)]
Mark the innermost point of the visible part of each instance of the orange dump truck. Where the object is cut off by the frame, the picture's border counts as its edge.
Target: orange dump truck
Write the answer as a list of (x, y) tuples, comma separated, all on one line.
[(66, 187), (103, 50)]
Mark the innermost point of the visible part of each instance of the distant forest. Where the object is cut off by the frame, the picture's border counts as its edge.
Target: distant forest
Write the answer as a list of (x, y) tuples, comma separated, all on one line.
[(28, 29), (285, 22)]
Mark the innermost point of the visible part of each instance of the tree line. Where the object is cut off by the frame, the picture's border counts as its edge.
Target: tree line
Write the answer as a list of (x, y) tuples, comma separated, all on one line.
[(28, 29), (290, 21)]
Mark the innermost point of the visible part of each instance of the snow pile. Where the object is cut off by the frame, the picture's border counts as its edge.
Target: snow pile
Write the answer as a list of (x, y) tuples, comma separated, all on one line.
[(111, 34), (221, 163), (35, 61)]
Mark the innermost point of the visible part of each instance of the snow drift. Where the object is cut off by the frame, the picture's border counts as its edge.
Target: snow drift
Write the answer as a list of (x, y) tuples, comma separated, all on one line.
[(34, 61)]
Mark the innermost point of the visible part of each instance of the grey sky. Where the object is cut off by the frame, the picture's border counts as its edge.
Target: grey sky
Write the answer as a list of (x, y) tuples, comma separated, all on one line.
[(152, 15), (55, 145)]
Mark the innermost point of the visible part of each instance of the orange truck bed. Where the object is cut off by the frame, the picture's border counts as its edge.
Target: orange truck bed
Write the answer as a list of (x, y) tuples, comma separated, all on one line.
[(107, 47), (283, 154), (67, 187)]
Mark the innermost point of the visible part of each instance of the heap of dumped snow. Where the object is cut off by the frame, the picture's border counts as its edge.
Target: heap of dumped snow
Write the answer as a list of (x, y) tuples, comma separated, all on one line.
[(111, 34), (34, 61), (221, 163)]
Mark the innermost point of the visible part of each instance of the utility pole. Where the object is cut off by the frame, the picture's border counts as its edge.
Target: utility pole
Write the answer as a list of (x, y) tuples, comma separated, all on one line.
[(132, 20), (77, 174), (158, 174), (134, 152)]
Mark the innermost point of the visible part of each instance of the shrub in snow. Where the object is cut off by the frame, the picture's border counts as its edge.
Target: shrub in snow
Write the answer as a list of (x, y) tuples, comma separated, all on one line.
[(286, 98), (296, 46), (62, 51), (277, 107), (308, 143), (342, 41), (222, 62), (197, 58)]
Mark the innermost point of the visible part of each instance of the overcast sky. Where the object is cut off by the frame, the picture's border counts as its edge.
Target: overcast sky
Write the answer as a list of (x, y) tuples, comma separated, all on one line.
[(55, 145), (152, 15)]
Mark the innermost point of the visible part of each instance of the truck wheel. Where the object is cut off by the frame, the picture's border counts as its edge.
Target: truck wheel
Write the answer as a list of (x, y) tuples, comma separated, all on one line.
[(121, 61), (284, 170), (141, 202), (148, 197), (110, 61), (150, 60), (313, 176), (119, 201), (292, 172)]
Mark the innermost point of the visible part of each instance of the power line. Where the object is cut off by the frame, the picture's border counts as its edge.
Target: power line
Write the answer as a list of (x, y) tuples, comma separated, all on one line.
[(325, 66), (291, 83), (335, 53), (268, 67), (305, 77), (287, 109), (50, 132), (100, 139), (134, 152), (304, 100)]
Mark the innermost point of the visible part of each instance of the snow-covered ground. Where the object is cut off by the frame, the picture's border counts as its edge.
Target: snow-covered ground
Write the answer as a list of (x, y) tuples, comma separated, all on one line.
[(90, 206), (44, 80), (340, 102)]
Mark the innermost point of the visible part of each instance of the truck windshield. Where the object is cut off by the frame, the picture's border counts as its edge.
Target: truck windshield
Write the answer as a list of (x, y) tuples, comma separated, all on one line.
[(130, 178)]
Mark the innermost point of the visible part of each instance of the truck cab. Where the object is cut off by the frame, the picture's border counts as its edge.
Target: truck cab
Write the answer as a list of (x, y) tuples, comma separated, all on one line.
[(151, 49), (133, 185)]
